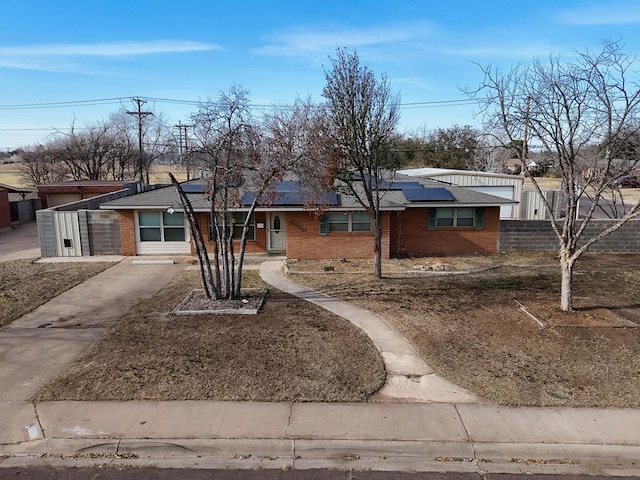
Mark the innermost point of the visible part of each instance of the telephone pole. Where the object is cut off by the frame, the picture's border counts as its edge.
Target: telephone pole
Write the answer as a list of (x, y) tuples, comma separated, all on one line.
[(140, 114), (180, 126)]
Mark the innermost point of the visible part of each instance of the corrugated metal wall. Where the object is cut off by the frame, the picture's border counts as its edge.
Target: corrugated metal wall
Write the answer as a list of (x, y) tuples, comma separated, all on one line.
[(67, 234)]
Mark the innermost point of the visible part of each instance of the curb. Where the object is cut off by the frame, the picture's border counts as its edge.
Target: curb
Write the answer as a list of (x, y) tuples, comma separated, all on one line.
[(303, 454)]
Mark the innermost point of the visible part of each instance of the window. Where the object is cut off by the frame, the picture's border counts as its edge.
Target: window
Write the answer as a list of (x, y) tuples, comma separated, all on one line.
[(345, 222), (238, 223), (161, 227), (456, 217), (237, 219)]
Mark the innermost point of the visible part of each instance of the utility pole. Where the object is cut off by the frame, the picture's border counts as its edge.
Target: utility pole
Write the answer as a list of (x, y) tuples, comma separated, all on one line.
[(140, 114), (180, 126)]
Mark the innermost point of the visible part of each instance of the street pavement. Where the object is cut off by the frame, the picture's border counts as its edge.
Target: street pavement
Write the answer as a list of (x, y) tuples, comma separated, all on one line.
[(402, 430)]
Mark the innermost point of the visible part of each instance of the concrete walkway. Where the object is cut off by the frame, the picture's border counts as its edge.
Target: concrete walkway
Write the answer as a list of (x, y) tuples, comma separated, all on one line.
[(20, 242), (409, 378), (42, 343), (381, 435)]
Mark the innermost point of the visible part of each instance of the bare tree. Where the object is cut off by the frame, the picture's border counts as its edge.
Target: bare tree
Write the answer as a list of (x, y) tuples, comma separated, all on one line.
[(578, 111), (245, 157), (362, 114), (40, 164), (87, 153)]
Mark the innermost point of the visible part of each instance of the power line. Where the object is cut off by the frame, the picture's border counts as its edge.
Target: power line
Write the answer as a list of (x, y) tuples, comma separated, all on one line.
[(73, 103), (119, 100)]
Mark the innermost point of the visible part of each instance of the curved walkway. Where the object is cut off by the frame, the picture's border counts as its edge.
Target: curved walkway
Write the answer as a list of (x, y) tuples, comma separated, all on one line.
[(409, 378)]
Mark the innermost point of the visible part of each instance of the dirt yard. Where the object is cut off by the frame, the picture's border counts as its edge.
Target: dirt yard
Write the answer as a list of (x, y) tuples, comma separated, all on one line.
[(499, 332), (291, 351), (25, 285)]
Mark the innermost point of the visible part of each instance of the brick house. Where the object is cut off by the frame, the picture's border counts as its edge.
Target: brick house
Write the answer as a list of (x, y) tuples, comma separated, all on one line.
[(419, 217)]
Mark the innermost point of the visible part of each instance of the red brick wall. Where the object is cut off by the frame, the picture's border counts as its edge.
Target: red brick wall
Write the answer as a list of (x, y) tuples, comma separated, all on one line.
[(410, 236), (5, 211), (127, 232), (305, 242), (259, 245)]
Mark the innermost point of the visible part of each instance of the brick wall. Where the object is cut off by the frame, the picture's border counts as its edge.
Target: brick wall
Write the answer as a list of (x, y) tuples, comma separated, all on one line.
[(410, 236), (127, 232), (305, 242), (5, 211), (538, 236), (259, 245)]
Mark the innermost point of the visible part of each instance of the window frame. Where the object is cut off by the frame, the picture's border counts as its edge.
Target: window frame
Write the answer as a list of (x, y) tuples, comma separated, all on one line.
[(162, 226), (476, 217), (326, 222), (237, 227)]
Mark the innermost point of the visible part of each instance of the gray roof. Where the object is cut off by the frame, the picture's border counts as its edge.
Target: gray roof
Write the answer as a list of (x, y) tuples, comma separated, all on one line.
[(162, 198)]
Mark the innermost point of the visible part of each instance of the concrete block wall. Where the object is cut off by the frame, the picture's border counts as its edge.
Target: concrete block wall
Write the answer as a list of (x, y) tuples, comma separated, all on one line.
[(103, 232), (538, 236), (46, 233)]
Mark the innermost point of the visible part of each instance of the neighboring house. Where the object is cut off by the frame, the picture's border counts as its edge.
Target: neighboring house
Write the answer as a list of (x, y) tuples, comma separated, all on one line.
[(61, 193), (21, 204), (499, 184), (419, 217)]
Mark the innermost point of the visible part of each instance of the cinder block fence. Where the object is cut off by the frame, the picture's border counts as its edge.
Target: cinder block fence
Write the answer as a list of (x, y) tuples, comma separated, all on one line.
[(538, 236)]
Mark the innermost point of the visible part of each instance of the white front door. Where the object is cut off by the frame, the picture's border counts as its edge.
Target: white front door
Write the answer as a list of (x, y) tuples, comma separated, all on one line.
[(276, 232)]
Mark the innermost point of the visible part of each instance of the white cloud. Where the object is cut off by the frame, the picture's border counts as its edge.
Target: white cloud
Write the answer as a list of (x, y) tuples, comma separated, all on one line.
[(302, 41), (612, 13), (106, 49), (506, 51)]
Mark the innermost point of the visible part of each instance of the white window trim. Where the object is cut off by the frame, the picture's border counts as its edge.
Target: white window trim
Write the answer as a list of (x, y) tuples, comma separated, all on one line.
[(349, 229)]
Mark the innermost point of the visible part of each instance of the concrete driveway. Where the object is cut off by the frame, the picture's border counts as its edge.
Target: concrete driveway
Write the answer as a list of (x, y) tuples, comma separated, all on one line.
[(21, 242)]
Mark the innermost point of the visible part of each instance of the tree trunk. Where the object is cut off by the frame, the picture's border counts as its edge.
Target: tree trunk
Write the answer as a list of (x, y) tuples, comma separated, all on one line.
[(377, 249), (566, 296)]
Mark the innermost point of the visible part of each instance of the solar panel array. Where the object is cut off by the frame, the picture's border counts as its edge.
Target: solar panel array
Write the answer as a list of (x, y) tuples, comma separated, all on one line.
[(428, 194), (290, 193)]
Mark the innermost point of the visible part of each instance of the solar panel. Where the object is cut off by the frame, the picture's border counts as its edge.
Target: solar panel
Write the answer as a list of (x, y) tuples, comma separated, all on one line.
[(194, 187), (288, 186), (436, 194), (291, 199)]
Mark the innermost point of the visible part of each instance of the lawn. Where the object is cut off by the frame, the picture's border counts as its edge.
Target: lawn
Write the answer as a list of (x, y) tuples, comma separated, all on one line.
[(497, 331), (291, 351), (25, 284), (471, 328)]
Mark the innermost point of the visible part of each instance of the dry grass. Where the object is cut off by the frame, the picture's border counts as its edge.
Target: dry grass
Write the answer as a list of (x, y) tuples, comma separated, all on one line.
[(9, 175), (290, 351), (470, 329), (25, 285)]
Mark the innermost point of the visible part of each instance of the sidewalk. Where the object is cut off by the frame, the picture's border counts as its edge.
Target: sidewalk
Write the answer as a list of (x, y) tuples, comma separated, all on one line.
[(462, 435)]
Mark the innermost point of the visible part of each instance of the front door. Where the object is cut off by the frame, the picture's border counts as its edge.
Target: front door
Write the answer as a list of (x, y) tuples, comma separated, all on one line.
[(276, 233)]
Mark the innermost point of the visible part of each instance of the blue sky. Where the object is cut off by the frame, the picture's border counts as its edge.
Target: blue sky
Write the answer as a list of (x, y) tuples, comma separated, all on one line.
[(76, 52)]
